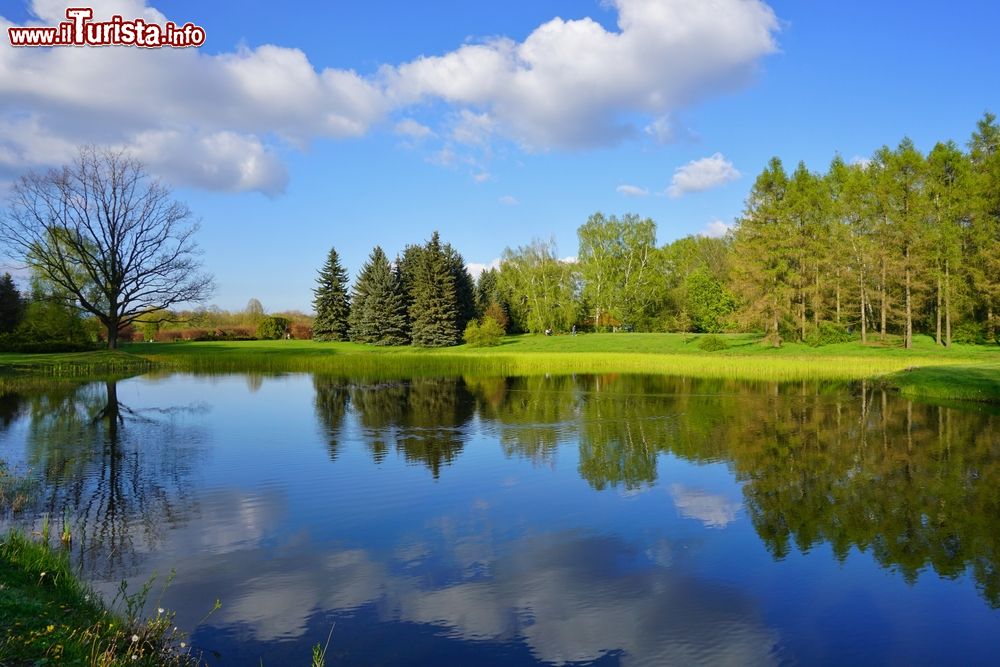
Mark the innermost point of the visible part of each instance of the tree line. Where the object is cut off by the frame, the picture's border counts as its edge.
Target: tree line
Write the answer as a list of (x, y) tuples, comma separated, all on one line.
[(901, 243)]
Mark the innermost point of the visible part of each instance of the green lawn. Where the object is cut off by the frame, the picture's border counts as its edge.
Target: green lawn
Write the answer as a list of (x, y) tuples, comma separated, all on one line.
[(968, 372)]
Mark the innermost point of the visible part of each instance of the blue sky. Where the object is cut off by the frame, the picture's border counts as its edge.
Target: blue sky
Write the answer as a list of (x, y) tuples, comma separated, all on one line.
[(277, 178)]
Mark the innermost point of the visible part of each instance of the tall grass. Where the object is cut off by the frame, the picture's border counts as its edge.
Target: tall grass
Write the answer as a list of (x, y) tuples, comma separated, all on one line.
[(394, 366), (51, 617)]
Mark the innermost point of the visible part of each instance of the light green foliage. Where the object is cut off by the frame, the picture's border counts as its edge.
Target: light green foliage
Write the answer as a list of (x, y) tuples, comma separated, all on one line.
[(712, 343), (708, 302), (621, 269), (331, 301), (273, 327), (542, 290), (487, 333)]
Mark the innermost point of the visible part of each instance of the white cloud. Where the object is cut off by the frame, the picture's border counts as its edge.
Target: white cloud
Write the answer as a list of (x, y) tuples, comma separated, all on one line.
[(412, 129), (714, 511), (482, 176), (631, 191), (508, 200), (861, 160), (219, 109), (661, 130), (704, 174), (217, 161), (475, 268), (572, 259), (715, 229), (569, 84)]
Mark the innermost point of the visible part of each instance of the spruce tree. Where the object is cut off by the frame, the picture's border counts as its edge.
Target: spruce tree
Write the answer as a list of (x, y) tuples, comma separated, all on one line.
[(465, 288), (11, 304), (378, 310), (331, 301), (434, 309)]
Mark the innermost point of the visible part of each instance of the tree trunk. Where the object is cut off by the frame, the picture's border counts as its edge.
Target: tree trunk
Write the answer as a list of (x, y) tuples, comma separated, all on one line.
[(802, 315), (947, 304), (937, 332), (908, 337), (864, 309), (776, 341), (112, 335), (838, 297), (816, 300), (883, 295), (990, 324)]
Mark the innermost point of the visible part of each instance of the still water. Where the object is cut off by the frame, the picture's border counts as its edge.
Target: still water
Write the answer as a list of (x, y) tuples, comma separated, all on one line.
[(604, 520)]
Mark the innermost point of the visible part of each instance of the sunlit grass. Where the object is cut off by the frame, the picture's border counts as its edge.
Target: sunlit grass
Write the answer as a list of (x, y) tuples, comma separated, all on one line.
[(51, 617), (674, 354)]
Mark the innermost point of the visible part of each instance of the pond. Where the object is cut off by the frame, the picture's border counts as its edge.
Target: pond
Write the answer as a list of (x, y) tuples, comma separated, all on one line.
[(605, 520)]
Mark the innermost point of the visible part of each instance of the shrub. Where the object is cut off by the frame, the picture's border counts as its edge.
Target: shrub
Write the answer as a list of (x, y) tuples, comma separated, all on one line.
[(972, 333), (828, 333), (168, 335), (498, 314), (712, 343), (273, 327), (489, 333), (301, 331)]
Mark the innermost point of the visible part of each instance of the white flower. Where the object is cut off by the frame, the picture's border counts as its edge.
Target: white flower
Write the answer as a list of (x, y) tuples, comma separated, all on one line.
[(183, 644), (159, 610), (135, 638)]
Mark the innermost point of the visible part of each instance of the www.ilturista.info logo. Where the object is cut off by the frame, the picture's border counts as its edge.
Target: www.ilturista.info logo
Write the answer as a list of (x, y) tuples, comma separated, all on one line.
[(79, 30)]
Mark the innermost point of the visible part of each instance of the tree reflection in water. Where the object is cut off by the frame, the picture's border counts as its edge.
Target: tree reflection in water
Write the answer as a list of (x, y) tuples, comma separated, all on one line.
[(123, 474), (917, 485)]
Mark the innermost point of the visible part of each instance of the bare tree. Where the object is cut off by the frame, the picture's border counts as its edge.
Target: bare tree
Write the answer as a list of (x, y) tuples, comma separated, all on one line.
[(110, 235)]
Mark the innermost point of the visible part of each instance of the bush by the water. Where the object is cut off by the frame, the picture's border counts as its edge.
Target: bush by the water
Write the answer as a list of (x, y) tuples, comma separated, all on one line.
[(486, 334), (273, 327), (828, 333), (712, 343)]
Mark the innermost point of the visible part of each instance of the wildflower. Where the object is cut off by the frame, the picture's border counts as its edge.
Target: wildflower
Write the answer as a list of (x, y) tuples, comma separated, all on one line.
[(183, 644), (159, 610), (50, 628), (135, 638)]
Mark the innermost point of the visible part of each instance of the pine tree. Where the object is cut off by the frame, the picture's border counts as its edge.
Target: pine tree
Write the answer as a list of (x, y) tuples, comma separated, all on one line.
[(430, 280), (378, 310), (11, 304), (331, 301)]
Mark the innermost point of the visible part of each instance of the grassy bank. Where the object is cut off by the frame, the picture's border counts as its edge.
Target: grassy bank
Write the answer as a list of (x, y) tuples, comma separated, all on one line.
[(49, 617), (972, 370), (73, 364)]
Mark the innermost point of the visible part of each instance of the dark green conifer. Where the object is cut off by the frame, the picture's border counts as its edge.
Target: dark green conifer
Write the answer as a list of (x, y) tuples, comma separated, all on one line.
[(434, 310), (378, 310), (331, 301), (11, 304)]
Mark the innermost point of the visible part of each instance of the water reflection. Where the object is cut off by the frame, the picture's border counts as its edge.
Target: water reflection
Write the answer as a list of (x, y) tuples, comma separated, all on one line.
[(122, 476), (914, 484), (423, 417), (560, 519)]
